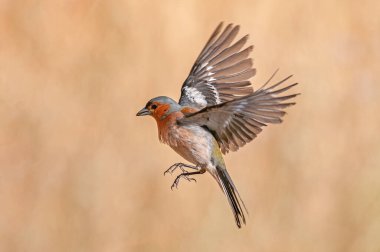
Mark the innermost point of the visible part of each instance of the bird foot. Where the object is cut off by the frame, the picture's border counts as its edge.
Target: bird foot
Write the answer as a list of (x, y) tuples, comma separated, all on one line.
[(184, 175), (180, 166)]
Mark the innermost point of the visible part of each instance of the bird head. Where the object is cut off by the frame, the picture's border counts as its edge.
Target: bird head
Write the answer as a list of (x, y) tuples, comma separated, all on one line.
[(159, 107)]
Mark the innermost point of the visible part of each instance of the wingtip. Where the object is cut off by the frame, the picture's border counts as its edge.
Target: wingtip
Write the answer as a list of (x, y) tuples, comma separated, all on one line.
[(237, 27), (249, 48), (217, 29), (228, 26)]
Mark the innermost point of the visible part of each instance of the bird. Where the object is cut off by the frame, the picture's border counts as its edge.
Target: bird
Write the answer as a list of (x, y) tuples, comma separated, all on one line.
[(218, 111)]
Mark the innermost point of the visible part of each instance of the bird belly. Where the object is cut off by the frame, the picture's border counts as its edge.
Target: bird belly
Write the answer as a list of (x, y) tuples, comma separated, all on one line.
[(193, 143)]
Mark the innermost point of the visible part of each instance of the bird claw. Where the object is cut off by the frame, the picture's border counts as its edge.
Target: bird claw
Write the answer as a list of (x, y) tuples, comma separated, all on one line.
[(184, 175), (176, 166), (173, 168)]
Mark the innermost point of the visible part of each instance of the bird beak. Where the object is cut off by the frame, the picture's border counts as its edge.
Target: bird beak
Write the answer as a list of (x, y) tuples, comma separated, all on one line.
[(143, 112)]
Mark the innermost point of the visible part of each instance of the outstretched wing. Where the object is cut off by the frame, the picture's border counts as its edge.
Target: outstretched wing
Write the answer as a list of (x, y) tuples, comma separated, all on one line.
[(221, 72), (237, 122)]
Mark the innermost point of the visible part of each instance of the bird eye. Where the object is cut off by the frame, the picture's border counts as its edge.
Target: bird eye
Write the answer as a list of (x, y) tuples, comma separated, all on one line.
[(154, 106)]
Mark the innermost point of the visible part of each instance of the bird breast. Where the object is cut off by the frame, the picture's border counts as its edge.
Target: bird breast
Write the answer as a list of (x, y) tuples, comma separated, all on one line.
[(193, 143)]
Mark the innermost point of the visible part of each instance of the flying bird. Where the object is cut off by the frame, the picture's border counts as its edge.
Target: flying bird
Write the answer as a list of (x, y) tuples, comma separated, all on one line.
[(218, 111)]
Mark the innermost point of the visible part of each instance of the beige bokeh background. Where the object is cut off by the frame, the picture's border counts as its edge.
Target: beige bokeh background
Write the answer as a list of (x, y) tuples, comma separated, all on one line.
[(79, 172)]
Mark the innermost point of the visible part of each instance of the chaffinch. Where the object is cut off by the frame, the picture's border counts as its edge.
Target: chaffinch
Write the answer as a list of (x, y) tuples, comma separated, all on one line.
[(218, 112)]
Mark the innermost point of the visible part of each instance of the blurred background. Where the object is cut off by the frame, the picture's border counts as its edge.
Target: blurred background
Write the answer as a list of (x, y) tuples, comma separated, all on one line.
[(80, 172)]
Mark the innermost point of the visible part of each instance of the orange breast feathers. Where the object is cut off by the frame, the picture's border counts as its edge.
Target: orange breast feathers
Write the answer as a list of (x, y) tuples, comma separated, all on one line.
[(165, 125), (166, 121)]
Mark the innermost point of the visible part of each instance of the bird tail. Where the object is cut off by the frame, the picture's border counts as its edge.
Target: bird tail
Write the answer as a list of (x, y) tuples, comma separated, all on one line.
[(233, 196)]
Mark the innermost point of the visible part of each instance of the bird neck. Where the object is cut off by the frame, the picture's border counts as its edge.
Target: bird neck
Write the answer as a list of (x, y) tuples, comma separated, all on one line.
[(166, 123)]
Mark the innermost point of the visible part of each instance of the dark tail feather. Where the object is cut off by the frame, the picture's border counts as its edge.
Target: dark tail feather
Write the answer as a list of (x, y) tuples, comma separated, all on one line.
[(232, 194)]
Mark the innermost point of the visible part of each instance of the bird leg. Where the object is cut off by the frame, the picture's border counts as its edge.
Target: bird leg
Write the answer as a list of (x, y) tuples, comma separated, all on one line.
[(186, 175), (181, 166)]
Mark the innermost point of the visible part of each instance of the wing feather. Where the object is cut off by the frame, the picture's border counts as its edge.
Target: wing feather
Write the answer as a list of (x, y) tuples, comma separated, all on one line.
[(237, 122), (221, 71)]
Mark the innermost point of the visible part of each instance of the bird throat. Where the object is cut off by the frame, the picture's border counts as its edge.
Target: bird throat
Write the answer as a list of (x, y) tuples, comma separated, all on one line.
[(165, 123)]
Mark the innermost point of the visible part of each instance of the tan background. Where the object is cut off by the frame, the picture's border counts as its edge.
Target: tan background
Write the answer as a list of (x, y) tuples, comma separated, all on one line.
[(79, 172)]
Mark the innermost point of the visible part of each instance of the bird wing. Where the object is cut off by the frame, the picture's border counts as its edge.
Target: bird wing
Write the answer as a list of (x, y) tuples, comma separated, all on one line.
[(221, 72), (237, 122)]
